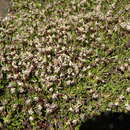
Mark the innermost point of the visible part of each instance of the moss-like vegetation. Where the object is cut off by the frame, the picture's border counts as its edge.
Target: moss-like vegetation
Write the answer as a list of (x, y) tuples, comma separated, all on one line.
[(62, 62)]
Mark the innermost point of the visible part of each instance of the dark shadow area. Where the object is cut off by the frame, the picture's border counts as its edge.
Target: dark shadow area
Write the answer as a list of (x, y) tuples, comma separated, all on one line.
[(108, 121)]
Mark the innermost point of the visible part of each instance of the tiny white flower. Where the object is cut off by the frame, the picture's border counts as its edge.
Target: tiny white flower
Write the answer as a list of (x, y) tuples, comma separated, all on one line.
[(47, 105), (88, 67), (98, 39), (122, 68), (20, 83), (65, 97), (68, 82), (36, 98), (12, 90), (89, 74), (51, 89), (48, 110), (97, 78), (15, 106), (121, 97), (128, 27), (31, 118), (39, 107), (30, 111), (27, 101), (71, 109), (10, 85), (127, 107), (95, 96), (116, 103), (1, 108), (82, 116), (125, 26), (4, 102), (21, 90), (77, 109), (126, 64), (53, 106), (128, 90), (55, 96)]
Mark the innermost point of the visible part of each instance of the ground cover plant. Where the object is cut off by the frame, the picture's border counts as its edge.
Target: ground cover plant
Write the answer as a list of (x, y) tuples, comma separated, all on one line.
[(62, 62)]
